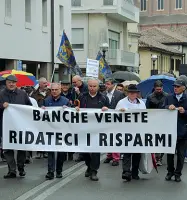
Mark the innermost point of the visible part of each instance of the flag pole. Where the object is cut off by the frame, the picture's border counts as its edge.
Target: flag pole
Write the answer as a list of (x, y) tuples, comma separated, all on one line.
[(53, 73)]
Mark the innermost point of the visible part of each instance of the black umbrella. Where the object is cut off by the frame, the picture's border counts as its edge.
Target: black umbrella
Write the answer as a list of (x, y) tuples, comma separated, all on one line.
[(125, 76)]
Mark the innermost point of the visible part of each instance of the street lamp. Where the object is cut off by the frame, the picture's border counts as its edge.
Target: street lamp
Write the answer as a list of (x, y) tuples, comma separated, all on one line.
[(154, 58), (104, 48)]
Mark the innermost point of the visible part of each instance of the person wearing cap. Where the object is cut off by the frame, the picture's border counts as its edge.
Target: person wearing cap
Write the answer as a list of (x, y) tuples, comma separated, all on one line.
[(155, 101), (65, 90), (12, 95), (131, 161), (114, 97), (178, 101)]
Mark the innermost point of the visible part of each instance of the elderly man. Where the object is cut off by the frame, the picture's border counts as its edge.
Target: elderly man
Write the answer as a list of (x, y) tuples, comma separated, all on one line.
[(178, 101), (93, 99), (42, 92), (131, 161), (79, 87), (65, 90), (12, 95), (114, 97), (40, 95), (55, 100)]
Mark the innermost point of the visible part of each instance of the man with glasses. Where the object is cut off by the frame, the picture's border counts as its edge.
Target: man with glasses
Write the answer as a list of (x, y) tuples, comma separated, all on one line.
[(178, 101)]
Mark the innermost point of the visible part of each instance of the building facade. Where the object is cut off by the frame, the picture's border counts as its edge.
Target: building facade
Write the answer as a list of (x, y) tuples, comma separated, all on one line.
[(26, 33), (99, 22), (169, 14)]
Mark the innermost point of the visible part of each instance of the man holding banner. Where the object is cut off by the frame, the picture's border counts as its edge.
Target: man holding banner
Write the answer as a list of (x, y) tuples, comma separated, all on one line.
[(178, 101), (93, 99), (55, 100), (12, 95), (129, 159)]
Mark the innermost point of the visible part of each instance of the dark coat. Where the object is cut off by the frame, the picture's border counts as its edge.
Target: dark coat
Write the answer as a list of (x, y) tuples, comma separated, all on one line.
[(117, 96), (102, 100), (156, 101), (13, 97), (82, 89), (40, 97), (68, 95), (182, 118)]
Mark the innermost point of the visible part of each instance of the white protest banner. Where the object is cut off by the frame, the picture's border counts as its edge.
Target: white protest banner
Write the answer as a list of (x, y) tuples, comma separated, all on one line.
[(90, 130), (92, 68)]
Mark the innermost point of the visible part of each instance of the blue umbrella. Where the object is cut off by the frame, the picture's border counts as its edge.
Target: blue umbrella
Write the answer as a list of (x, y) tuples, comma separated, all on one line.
[(146, 86)]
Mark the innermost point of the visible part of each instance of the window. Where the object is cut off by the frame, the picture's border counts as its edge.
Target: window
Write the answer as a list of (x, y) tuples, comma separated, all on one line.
[(61, 17), (75, 3), (114, 40), (77, 38), (44, 13), (178, 4), (108, 2), (160, 4), (143, 5), (8, 8), (28, 11)]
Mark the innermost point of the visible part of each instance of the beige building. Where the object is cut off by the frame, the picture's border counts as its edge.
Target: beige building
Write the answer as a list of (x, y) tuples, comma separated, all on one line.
[(162, 13), (111, 22), (169, 48)]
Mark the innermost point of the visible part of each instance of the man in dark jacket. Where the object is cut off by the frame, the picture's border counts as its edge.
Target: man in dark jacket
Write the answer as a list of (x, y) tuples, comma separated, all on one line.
[(55, 100), (65, 90), (155, 101), (93, 99), (12, 95), (79, 87), (114, 97), (157, 98), (178, 101)]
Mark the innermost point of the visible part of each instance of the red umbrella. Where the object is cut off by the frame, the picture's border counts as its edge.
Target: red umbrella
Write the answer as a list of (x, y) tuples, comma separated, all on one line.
[(24, 78)]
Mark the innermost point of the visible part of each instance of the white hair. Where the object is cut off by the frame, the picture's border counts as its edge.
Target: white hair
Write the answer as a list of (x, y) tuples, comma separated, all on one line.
[(42, 79), (77, 77), (93, 79)]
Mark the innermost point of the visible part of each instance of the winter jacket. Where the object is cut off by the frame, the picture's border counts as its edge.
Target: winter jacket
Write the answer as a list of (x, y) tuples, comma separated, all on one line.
[(102, 100), (182, 118)]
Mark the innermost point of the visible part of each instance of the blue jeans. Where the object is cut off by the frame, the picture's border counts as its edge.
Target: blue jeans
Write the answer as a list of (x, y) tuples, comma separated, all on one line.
[(58, 162)]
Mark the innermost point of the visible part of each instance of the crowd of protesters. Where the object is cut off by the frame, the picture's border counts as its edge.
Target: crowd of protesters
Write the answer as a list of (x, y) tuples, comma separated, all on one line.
[(101, 96)]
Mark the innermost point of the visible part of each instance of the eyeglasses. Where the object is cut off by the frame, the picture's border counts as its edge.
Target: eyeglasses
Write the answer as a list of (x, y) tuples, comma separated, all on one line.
[(177, 86)]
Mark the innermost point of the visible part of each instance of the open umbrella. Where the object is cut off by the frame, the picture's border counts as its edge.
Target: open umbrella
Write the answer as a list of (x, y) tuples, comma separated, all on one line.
[(24, 78), (147, 85), (125, 76)]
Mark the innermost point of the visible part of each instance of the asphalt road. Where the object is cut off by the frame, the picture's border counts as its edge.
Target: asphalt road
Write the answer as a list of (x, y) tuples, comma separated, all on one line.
[(75, 186)]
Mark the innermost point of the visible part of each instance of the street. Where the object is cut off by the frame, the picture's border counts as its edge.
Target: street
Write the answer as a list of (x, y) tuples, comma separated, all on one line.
[(75, 186)]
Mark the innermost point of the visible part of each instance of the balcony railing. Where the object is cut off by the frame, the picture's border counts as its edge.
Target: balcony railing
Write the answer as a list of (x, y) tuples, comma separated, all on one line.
[(118, 57)]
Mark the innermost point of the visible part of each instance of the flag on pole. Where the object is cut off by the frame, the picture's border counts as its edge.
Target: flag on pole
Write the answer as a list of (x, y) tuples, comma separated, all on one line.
[(66, 56), (104, 68)]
